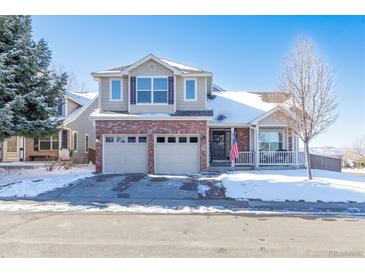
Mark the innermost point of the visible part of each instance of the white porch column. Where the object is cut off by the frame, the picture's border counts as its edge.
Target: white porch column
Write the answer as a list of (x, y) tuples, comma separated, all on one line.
[(22, 148), (256, 145), (232, 134), (296, 150)]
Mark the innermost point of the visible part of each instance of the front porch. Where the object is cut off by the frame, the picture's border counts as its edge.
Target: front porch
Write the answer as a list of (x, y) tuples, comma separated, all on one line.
[(259, 146)]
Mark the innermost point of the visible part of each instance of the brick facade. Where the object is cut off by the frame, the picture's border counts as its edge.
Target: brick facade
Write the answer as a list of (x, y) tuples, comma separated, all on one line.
[(151, 128), (243, 139)]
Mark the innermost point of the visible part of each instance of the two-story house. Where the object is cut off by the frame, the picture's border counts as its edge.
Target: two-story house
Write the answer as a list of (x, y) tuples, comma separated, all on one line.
[(159, 116), (76, 134)]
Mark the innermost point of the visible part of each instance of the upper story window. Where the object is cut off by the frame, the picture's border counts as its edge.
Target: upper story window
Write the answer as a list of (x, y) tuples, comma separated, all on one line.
[(152, 90), (190, 89), (116, 90)]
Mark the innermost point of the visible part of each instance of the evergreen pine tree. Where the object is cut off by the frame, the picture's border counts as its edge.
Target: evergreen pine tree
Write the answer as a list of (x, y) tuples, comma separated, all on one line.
[(29, 91)]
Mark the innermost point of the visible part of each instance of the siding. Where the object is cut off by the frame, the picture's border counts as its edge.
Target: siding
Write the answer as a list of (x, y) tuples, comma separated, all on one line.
[(83, 125), (142, 70), (71, 106), (199, 104), (138, 109), (271, 121), (106, 104)]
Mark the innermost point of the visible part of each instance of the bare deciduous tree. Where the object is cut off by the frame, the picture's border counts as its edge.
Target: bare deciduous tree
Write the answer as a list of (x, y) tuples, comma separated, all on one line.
[(358, 147), (311, 106)]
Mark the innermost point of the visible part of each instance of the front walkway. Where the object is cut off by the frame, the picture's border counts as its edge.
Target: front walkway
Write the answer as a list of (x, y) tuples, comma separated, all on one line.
[(172, 194)]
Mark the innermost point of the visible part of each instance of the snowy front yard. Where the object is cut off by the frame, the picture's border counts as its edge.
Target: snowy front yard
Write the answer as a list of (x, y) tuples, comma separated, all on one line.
[(32, 182), (291, 185)]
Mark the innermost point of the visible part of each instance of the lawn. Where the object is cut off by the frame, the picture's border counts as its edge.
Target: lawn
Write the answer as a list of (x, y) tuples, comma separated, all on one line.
[(292, 185)]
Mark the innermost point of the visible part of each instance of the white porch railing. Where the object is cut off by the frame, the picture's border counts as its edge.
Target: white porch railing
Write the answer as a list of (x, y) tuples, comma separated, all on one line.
[(271, 158), (246, 158)]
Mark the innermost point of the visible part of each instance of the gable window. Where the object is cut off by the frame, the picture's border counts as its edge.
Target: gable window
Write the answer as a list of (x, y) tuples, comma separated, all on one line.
[(75, 140), (115, 90), (152, 90), (49, 143), (86, 143), (190, 89), (270, 140)]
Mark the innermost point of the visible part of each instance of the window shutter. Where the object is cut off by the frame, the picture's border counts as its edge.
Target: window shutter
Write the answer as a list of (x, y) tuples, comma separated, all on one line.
[(133, 90), (171, 90), (35, 144)]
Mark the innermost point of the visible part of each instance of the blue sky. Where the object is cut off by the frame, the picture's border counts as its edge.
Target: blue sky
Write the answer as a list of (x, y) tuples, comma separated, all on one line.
[(244, 52)]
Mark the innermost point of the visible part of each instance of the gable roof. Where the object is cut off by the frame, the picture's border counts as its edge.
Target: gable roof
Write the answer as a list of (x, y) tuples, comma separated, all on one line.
[(85, 99), (177, 68), (237, 107)]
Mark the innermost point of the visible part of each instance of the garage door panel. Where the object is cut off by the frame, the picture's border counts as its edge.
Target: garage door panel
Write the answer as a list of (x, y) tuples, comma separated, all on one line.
[(125, 157), (177, 158)]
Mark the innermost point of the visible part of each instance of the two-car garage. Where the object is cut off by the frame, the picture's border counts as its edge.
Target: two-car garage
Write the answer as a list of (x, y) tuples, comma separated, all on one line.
[(173, 154)]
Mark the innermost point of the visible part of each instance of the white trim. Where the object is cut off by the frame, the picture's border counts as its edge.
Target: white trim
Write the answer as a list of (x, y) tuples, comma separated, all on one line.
[(99, 93), (196, 90), (129, 93), (227, 125), (202, 74), (86, 106), (88, 141), (145, 59), (72, 99), (73, 140), (153, 90), (206, 92), (266, 114), (136, 117), (121, 90)]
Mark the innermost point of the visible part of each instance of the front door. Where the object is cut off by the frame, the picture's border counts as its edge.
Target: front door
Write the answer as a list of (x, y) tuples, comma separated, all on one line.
[(219, 144), (11, 148)]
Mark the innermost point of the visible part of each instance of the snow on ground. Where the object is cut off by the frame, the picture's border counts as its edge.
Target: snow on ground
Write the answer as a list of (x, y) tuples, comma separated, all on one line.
[(354, 170), (34, 181), (282, 185)]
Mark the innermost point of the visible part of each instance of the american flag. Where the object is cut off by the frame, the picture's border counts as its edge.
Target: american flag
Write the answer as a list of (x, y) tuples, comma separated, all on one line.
[(234, 149)]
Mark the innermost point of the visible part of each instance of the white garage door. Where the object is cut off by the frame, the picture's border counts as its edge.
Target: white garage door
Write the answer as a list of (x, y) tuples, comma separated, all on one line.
[(125, 154), (177, 154)]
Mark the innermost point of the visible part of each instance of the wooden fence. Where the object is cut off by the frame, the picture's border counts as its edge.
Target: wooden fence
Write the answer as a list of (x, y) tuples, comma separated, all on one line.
[(326, 163)]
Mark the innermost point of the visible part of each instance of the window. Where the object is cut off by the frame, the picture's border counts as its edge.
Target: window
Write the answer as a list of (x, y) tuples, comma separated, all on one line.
[(131, 139), (183, 140), (270, 140), (171, 139), (86, 143), (193, 139), (142, 139), (190, 89), (109, 139), (75, 140), (115, 90), (49, 143), (152, 90), (121, 139), (160, 139)]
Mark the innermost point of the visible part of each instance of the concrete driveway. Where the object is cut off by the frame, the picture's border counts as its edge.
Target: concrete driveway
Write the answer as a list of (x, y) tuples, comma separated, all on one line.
[(139, 189)]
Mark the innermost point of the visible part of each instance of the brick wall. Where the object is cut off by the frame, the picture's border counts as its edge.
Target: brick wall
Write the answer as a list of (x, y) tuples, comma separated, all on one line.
[(151, 128), (243, 139)]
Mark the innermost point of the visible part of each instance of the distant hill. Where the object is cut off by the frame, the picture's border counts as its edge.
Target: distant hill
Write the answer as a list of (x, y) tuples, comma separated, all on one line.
[(328, 151)]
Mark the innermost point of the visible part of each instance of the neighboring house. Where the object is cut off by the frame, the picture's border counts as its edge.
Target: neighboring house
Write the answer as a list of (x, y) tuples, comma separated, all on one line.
[(159, 116), (77, 133)]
